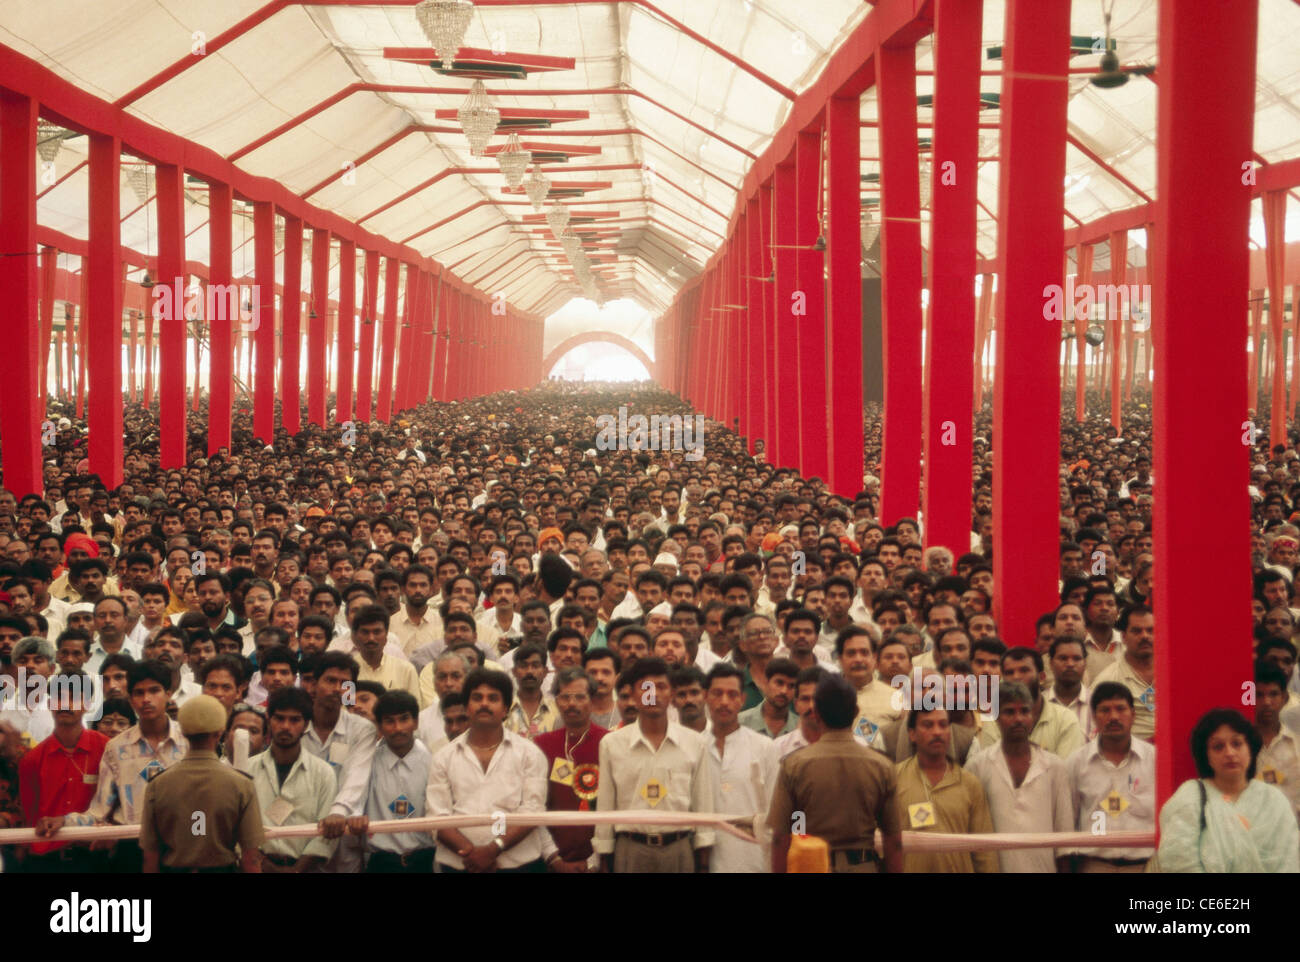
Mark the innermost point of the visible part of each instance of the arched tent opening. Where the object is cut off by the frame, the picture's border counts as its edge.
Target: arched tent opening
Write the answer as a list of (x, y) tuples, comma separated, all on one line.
[(577, 348)]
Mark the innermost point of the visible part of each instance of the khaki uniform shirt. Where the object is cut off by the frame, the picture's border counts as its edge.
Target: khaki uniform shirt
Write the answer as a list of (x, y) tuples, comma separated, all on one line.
[(844, 790), (196, 811), (955, 805)]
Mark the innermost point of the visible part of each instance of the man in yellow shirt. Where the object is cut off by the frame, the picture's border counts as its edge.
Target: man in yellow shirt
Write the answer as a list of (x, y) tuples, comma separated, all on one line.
[(370, 635), (933, 794), (855, 647)]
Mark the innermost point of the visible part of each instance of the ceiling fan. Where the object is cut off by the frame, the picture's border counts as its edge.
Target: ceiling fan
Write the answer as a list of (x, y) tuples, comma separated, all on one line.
[(1111, 73)]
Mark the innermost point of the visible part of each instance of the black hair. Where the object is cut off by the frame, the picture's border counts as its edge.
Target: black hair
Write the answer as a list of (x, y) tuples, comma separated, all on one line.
[(725, 669), (836, 701), (1108, 691), (491, 678), (118, 706), (290, 699), (150, 670), (396, 702), (336, 659), (1211, 722), (228, 663)]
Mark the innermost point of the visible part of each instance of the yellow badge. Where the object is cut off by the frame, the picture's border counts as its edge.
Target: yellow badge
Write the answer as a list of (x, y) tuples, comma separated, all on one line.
[(1114, 803), (921, 814), (1272, 776), (653, 792), (562, 771)]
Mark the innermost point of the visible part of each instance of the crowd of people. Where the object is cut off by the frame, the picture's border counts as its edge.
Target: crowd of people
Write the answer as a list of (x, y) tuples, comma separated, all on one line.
[(475, 611)]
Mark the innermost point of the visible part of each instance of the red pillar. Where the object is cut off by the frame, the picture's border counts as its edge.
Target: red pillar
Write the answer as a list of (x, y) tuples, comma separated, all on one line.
[(440, 344), (951, 342), (83, 337), (317, 322), (786, 448), (366, 354), (150, 319), (132, 354), (388, 341), (49, 264), (767, 294), (225, 319), (901, 283), (263, 345), (1027, 381), (1083, 276), (21, 413), (1118, 275), (811, 265), (101, 316), (172, 323), (1204, 134), (291, 320), (406, 349), (1275, 258), (347, 320), (755, 341), (844, 319)]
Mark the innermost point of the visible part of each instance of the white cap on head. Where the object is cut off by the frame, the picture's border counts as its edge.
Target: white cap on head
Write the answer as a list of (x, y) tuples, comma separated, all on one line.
[(663, 608), (665, 559)]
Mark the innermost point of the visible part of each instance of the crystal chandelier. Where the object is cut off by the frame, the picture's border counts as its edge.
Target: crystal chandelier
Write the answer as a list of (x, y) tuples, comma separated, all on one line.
[(478, 118), (140, 180), (537, 186), (558, 218), (514, 161), (49, 138), (445, 22)]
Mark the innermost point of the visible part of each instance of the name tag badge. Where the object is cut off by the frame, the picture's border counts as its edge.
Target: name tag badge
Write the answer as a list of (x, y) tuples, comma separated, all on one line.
[(921, 814), (562, 772), (90, 779), (279, 810), (1114, 803)]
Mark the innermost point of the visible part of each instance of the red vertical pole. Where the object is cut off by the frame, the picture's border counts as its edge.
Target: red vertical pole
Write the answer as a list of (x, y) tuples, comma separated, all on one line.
[(844, 318), (406, 348), (983, 320), (225, 320), (901, 283), (347, 321), (1027, 403), (1083, 275), (1118, 276), (755, 331), (291, 314), (786, 401), (263, 346), (951, 341), (20, 411), (132, 354), (429, 282), (366, 354), (767, 294), (317, 322), (440, 344), (1256, 327), (48, 266), (172, 358), (388, 341), (1275, 258), (1204, 134), (101, 316), (811, 267), (151, 317), (83, 338)]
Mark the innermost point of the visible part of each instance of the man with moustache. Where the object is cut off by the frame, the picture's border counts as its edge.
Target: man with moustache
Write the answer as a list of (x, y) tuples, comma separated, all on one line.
[(935, 795), (573, 763), (1054, 727), (773, 717), (1136, 668)]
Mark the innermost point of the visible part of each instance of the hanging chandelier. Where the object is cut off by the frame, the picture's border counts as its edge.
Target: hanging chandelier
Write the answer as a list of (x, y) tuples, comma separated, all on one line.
[(445, 23), (478, 118), (140, 180), (537, 187), (514, 161), (558, 218), (49, 138)]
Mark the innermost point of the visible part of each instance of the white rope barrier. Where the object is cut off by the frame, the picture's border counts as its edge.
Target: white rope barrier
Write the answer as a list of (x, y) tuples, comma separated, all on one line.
[(912, 841)]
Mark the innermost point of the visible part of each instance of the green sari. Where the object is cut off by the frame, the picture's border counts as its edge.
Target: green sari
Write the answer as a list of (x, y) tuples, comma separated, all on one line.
[(1257, 833)]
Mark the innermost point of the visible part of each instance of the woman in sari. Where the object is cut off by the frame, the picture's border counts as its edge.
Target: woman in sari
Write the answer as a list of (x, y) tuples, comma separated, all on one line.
[(1226, 820)]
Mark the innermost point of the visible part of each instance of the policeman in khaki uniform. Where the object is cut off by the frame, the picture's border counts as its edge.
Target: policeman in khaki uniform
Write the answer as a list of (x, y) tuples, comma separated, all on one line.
[(838, 790), (196, 811)]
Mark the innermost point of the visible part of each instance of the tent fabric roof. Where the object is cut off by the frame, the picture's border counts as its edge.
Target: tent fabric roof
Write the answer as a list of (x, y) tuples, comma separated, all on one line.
[(678, 183)]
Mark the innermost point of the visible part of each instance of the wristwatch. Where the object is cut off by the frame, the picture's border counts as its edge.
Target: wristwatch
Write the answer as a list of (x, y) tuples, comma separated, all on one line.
[(501, 845)]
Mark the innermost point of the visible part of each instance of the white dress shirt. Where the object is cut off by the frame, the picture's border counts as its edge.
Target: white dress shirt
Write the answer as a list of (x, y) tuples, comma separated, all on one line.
[(1042, 803), (1114, 798), (744, 775), (398, 789), (515, 781)]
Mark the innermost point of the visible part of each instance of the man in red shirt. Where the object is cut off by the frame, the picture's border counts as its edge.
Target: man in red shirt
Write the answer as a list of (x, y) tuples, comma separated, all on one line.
[(59, 776), (572, 756)]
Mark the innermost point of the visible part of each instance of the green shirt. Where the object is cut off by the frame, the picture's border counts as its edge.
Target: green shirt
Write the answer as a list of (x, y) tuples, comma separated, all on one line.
[(753, 718)]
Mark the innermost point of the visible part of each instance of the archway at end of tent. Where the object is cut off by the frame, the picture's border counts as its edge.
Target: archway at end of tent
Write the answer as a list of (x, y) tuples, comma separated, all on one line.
[(591, 337)]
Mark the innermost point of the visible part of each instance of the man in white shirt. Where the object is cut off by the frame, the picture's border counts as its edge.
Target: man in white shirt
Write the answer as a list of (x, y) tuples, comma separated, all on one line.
[(1113, 783), (1028, 789), (744, 765), (489, 769)]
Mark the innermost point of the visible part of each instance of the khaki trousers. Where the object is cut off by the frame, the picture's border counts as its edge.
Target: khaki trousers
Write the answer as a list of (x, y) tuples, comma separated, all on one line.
[(637, 857)]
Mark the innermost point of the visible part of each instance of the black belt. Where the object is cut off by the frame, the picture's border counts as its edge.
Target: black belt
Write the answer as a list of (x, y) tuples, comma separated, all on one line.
[(207, 870), (1122, 862), (856, 856), (658, 840), (284, 861), (421, 858)]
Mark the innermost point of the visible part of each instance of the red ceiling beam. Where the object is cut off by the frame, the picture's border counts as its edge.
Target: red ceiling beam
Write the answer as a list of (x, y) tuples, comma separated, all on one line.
[(1092, 155), (530, 62)]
